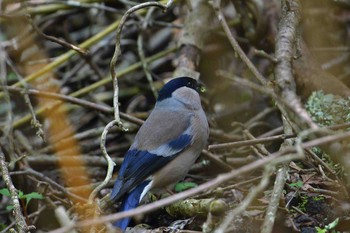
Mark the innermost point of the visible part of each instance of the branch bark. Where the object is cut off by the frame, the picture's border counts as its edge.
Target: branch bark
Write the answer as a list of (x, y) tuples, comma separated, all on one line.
[(21, 224)]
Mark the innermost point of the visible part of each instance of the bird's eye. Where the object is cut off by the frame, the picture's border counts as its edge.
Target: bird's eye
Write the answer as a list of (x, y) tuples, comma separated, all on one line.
[(202, 89)]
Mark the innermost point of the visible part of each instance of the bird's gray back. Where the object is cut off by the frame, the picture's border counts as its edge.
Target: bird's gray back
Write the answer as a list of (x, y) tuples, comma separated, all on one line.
[(161, 127)]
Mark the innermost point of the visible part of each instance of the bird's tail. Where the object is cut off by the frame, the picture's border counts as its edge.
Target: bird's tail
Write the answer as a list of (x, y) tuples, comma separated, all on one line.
[(131, 200)]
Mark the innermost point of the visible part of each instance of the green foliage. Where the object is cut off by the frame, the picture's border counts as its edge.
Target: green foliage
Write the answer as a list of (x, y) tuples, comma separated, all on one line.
[(5, 192), (303, 203), (28, 197), (2, 226), (317, 150), (298, 184), (318, 198), (182, 186), (329, 227), (304, 200), (325, 157), (11, 77), (319, 230), (328, 109)]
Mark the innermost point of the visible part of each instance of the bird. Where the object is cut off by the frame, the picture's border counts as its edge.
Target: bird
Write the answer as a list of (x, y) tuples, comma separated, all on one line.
[(165, 147)]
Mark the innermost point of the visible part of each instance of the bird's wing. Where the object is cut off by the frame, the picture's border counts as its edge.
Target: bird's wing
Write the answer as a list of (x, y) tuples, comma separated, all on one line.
[(162, 137)]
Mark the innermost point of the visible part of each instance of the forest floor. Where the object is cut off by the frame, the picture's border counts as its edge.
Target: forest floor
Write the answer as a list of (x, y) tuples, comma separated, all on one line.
[(276, 77)]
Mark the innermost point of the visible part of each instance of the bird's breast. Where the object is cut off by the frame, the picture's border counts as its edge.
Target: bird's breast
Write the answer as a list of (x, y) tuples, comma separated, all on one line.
[(176, 169)]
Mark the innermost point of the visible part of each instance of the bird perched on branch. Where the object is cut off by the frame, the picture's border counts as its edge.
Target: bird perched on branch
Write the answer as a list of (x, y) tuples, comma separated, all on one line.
[(165, 147)]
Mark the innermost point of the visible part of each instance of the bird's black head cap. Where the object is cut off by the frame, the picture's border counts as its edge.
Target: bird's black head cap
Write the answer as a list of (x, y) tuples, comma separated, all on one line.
[(175, 84)]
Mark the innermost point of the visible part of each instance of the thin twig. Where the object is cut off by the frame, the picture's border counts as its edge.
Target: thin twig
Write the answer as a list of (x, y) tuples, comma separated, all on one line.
[(63, 217), (21, 224), (235, 45), (110, 162), (73, 100), (117, 53), (54, 184), (91, 87), (54, 39), (263, 54), (260, 147), (116, 120), (35, 122), (320, 161), (281, 177), (215, 160), (45, 160), (65, 57), (142, 54), (250, 142), (276, 194), (246, 202), (7, 128)]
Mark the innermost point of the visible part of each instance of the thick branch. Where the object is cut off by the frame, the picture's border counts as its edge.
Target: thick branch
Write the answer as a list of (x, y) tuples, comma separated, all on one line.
[(285, 44)]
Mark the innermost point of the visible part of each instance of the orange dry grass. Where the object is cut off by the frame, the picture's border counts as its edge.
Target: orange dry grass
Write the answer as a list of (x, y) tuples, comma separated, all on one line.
[(57, 123)]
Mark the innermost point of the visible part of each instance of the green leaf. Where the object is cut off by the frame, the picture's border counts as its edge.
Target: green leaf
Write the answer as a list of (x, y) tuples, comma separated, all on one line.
[(319, 230), (20, 194), (332, 224), (2, 226), (182, 186), (5, 192), (297, 184), (11, 77), (33, 195), (9, 207)]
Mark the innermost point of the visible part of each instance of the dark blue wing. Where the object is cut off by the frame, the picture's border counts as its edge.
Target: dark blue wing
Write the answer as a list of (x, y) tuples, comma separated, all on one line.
[(138, 165)]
